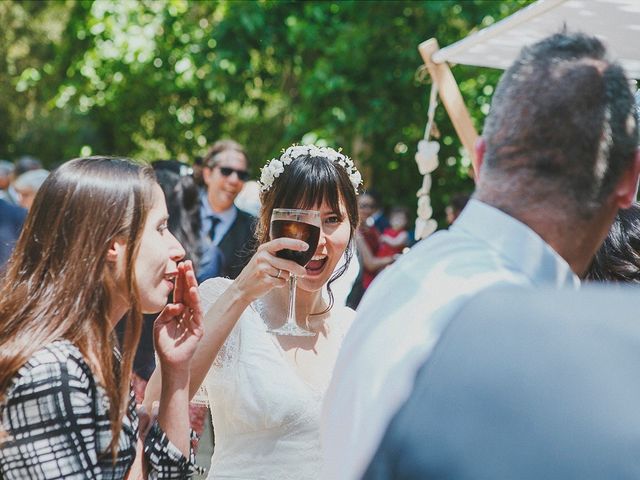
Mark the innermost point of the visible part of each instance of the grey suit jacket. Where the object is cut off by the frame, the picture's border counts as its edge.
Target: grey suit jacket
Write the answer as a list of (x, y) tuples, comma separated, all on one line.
[(525, 385)]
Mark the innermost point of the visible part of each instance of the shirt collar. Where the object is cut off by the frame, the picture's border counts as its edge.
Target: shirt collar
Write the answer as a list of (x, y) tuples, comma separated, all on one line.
[(225, 217), (523, 248)]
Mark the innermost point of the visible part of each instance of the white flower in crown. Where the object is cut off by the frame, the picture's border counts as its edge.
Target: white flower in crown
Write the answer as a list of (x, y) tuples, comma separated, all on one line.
[(275, 166), (266, 177), (356, 178)]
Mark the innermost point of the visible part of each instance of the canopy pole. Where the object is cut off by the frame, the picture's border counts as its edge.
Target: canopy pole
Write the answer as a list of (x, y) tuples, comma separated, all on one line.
[(451, 97)]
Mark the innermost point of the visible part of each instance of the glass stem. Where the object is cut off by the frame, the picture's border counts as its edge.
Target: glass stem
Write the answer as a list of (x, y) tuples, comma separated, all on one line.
[(291, 315)]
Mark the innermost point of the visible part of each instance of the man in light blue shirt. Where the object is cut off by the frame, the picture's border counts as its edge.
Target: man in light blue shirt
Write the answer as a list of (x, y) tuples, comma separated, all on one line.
[(556, 161), (227, 232)]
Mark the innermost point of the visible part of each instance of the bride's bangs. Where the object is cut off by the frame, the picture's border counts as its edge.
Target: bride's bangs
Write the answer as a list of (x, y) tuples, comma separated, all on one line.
[(310, 183)]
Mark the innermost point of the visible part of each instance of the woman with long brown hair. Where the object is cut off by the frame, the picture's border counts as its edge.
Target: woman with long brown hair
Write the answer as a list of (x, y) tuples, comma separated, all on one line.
[(95, 249)]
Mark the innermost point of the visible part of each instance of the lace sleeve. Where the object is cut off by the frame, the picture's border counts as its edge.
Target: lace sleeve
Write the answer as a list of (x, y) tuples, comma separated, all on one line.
[(210, 290)]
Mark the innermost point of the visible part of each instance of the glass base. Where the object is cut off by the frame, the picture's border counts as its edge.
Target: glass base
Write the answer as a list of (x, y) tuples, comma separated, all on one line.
[(292, 330)]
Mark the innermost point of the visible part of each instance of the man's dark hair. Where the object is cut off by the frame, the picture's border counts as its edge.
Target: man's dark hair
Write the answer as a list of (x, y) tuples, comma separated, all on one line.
[(562, 123), (618, 259)]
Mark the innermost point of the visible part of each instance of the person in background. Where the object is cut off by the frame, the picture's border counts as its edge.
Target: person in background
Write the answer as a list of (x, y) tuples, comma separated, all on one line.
[(224, 225), (27, 185), (6, 176), (455, 207), (26, 163), (11, 221), (248, 199), (377, 218), (197, 172), (183, 202), (367, 240), (618, 259), (95, 248), (395, 239)]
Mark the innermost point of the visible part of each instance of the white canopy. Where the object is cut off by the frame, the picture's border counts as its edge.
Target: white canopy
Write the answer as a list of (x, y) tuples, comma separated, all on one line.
[(615, 22)]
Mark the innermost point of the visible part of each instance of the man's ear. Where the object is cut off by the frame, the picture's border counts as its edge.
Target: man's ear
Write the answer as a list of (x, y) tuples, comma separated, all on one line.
[(117, 250), (626, 190), (478, 157)]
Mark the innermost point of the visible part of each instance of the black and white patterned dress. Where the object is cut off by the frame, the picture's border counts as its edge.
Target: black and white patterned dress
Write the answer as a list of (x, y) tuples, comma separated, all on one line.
[(57, 421)]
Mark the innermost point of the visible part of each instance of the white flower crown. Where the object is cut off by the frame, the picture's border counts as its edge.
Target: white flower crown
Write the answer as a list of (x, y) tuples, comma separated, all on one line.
[(275, 166)]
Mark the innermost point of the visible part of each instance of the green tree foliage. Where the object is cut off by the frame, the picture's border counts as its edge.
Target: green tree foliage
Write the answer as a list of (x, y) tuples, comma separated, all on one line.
[(157, 79)]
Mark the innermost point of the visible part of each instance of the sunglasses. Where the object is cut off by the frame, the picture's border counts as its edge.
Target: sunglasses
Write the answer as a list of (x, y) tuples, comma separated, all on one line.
[(242, 174)]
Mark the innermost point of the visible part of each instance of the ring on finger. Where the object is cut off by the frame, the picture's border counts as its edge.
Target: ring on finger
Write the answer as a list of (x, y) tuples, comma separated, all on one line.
[(278, 274)]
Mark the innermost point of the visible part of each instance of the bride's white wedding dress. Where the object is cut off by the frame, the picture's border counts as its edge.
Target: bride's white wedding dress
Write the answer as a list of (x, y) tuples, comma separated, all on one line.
[(266, 418)]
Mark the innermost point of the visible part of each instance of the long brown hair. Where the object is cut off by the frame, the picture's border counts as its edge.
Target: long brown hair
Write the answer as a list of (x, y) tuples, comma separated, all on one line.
[(59, 284), (308, 181)]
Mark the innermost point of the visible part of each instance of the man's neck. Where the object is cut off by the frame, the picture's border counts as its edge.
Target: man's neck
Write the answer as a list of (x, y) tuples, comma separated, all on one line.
[(209, 208), (573, 238)]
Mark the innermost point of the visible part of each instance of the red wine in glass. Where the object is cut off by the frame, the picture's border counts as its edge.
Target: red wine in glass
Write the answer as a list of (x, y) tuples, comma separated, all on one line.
[(302, 225), (300, 231)]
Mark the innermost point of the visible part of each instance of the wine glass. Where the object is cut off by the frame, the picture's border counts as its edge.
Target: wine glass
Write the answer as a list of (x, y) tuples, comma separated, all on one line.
[(302, 225)]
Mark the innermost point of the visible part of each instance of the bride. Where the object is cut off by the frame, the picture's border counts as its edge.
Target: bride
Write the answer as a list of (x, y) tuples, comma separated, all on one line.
[(264, 390)]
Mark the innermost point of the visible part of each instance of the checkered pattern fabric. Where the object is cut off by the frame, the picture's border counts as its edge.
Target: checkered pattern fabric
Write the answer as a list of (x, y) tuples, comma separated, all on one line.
[(57, 420)]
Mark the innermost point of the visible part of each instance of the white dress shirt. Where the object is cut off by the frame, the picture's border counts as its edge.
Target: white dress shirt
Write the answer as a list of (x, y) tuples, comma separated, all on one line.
[(403, 314)]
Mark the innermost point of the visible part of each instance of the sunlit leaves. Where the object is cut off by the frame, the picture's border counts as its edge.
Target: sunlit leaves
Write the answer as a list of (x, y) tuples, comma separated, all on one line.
[(165, 78)]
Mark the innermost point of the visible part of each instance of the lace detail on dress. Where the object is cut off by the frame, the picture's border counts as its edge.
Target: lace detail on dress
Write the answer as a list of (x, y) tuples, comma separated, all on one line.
[(267, 419)]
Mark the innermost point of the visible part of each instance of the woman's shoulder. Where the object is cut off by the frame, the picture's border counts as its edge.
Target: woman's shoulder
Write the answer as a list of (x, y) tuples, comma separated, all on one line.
[(57, 364), (211, 289), (214, 286), (57, 353)]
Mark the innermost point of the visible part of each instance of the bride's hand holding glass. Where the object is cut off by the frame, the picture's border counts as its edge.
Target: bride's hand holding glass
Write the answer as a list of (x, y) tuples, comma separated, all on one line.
[(302, 225), (266, 271)]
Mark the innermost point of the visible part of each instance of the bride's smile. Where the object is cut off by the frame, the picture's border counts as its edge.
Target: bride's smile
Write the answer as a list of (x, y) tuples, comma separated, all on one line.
[(334, 238)]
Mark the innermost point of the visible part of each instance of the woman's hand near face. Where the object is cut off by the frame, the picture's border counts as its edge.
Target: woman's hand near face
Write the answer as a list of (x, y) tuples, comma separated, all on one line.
[(178, 328), (176, 334), (266, 271)]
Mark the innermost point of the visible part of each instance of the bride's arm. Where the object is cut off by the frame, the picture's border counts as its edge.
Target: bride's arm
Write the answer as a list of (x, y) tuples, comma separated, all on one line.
[(220, 319), (257, 278)]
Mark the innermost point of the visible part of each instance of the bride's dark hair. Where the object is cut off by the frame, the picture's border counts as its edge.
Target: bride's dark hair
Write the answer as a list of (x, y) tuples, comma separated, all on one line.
[(306, 182)]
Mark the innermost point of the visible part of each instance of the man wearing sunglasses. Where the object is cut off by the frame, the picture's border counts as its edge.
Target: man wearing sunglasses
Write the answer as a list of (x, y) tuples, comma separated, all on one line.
[(224, 225)]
